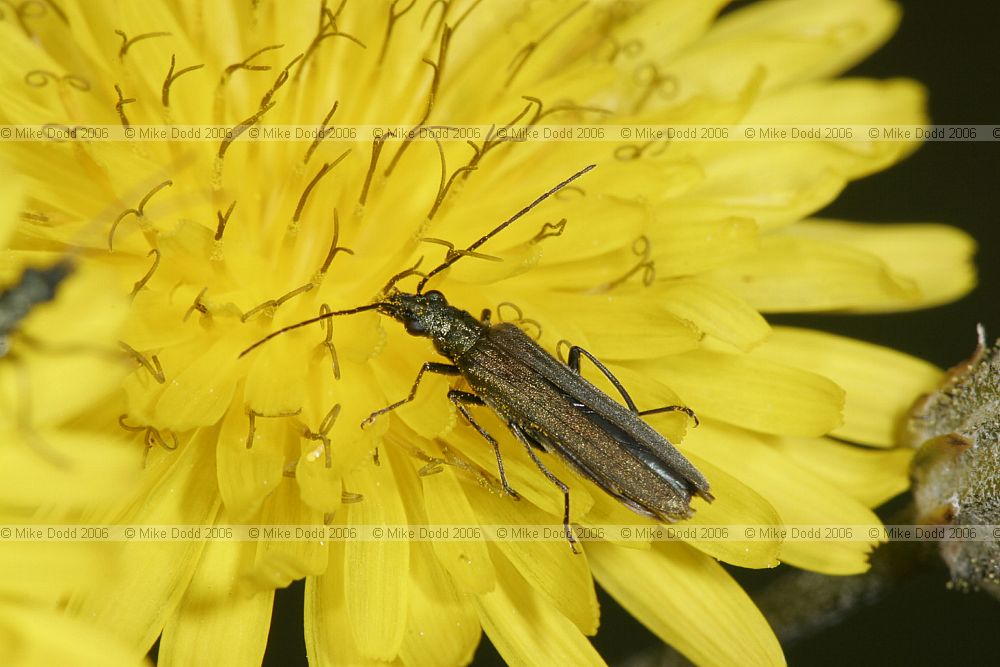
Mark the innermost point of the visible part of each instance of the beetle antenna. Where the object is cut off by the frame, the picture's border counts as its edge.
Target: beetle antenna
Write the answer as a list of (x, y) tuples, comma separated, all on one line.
[(412, 271), (312, 320), (454, 256)]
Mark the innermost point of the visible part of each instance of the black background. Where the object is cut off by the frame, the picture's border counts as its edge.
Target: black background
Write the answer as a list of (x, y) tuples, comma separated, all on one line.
[(950, 48)]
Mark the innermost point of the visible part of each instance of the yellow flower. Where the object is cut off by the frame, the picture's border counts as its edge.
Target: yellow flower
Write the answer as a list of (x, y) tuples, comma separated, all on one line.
[(52, 368), (670, 252)]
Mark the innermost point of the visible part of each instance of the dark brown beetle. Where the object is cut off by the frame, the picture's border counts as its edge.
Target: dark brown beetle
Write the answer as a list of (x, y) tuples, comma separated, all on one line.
[(546, 404)]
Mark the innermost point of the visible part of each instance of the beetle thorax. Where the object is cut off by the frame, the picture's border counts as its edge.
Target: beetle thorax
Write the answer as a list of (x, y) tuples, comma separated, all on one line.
[(453, 330)]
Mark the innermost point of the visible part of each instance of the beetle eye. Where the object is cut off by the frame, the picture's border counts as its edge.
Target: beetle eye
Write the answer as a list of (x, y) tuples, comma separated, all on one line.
[(436, 296), (415, 327)]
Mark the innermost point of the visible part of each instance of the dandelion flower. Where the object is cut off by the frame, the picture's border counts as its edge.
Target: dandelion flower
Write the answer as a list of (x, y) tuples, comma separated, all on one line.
[(669, 254), (49, 470)]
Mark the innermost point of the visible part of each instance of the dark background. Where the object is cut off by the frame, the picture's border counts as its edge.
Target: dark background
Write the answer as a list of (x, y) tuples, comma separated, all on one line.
[(950, 48)]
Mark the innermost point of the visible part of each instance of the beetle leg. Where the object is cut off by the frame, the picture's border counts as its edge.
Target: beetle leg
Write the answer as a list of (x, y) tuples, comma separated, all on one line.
[(573, 361), (463, 398), (673, 408), (526, 441), (24, 414), (428, 367)]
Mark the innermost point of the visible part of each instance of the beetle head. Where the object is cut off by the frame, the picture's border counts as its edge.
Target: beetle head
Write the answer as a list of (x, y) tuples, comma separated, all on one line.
[(425, 314)]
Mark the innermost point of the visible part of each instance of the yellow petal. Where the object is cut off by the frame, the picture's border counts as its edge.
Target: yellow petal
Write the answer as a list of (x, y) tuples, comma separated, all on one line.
[(587, 235), (446, 504), (376, 572), (79, 566), (936, 258), (688, 20), (618, 262), (689, 601), (714, 310), (442, 627), (525, 627), (799, 497), (759, 395), (12, 188), (870, 476), (329, 640), (215, 605), (441, 624), (650, 181), (99, 468), (849, 102), (320, 484), (610, 326), (608, 511), (791, 41), (792, 274), (320, 468), (42, 637), (199, 387), (277, 563), (773, 184), (147, 60), (735, 502), (178, 490), (22, 55), (548, 566), (880, 384), (249, 474), (271, 387), (630, 28), (685, 243), (147, 308)]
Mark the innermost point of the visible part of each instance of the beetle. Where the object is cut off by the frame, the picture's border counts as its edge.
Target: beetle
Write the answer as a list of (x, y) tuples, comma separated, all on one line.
[(35, 286), (545, 403)]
